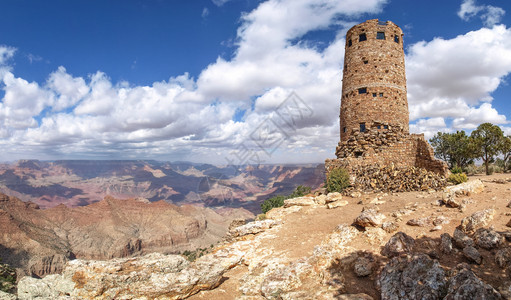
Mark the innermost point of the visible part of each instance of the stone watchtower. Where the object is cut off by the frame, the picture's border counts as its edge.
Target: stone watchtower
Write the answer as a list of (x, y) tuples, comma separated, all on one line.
[(374, 131), (374, 81)]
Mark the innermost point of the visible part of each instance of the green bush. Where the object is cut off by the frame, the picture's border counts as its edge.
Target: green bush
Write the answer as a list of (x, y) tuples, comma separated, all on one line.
[(278, 201), (456, 170), (273, 202), (338, 179), (7, 278), (300, 191), (457, 178)]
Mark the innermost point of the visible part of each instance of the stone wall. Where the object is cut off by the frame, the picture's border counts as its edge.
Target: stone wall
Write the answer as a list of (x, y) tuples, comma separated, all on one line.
[(374, 81)]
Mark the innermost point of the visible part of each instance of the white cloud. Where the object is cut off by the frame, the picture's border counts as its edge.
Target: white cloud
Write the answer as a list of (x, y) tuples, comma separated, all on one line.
[(220, 2), (490, 15), (6, 53), (193, 118), (447, 77)]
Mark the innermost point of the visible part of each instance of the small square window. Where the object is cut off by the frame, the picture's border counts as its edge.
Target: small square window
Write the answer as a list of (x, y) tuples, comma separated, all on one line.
[(381, 94), (344, 129), (362, 127), (362, 37), (349, 43), (366, 62), (396, 39), (362, 90), (385, 126), (374, 94), (379, 126), (380, 35)]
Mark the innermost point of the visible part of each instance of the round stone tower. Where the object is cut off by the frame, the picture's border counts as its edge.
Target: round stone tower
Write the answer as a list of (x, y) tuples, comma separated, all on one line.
[(374, 81)]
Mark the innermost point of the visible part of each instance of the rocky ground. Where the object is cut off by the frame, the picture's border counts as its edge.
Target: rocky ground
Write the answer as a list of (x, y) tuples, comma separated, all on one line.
[(450, 244)]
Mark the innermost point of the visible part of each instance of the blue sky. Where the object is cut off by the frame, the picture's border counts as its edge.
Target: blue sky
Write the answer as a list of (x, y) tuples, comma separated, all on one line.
[(207, 80)]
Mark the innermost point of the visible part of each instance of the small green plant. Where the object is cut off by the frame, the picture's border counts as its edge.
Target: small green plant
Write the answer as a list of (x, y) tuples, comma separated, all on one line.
[(278, 201), (457, 178), (338, 179), (300, 191), (261, 217), (456, 170), (273, 202), (7, 279), (193, 255)]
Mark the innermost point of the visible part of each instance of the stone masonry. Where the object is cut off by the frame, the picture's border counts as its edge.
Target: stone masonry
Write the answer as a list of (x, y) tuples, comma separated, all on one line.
[(374, 110)]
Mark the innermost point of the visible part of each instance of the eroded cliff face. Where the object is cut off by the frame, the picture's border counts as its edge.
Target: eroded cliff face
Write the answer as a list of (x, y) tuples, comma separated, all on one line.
[(40, 242)]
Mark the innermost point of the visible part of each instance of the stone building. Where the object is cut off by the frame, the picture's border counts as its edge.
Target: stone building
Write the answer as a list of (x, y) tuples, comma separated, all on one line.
[(374, 107)]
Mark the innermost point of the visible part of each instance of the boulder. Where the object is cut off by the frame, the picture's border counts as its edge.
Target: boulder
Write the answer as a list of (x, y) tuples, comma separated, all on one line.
[(472, 254), (339, 203), (421, 222), (503, 257), (397, 244), (466, 188), (151, 276), (300, 201), (332, 197), (445, 243), (364, 265), (461, 239), (389, 227), (488, 239), (253, 227), (464, 284), (412, 277), (370, 218), (477, 220), (7, 296)]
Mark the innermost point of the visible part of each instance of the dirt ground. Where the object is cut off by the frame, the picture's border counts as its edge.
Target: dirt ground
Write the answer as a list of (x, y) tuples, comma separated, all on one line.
[(302, 231)]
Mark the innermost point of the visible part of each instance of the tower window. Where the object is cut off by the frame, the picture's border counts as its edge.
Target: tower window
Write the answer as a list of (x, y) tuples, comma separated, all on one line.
[(385, 126), (362, 127), (362, 90), (380, 35), (381, 94), (349, 43), (362, 37), (374, 94), (366, 62), (378, 126), (396, 39), (344, 129)]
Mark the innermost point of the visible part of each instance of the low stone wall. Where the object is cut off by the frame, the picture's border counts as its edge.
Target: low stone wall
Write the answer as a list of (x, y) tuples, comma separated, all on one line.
[(405, 160)]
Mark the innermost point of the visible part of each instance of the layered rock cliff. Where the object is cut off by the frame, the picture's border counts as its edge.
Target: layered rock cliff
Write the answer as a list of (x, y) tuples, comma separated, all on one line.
[(40, 242)]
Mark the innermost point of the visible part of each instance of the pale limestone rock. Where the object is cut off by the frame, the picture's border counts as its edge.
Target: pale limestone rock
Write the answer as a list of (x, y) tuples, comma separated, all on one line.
[(389, 227), (421, 222), (147, 277), (375, 235), (338, 203), (321, 199), (466, 188), (477, 220), (370, 218), (7, 296), (397, 244), (332, 197), (279, 213), (300, 201), (253, 227)]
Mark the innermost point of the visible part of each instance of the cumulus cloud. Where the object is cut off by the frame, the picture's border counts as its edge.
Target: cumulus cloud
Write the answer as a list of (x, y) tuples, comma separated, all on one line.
[(455, 78), (194, 118), (490, 15)]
